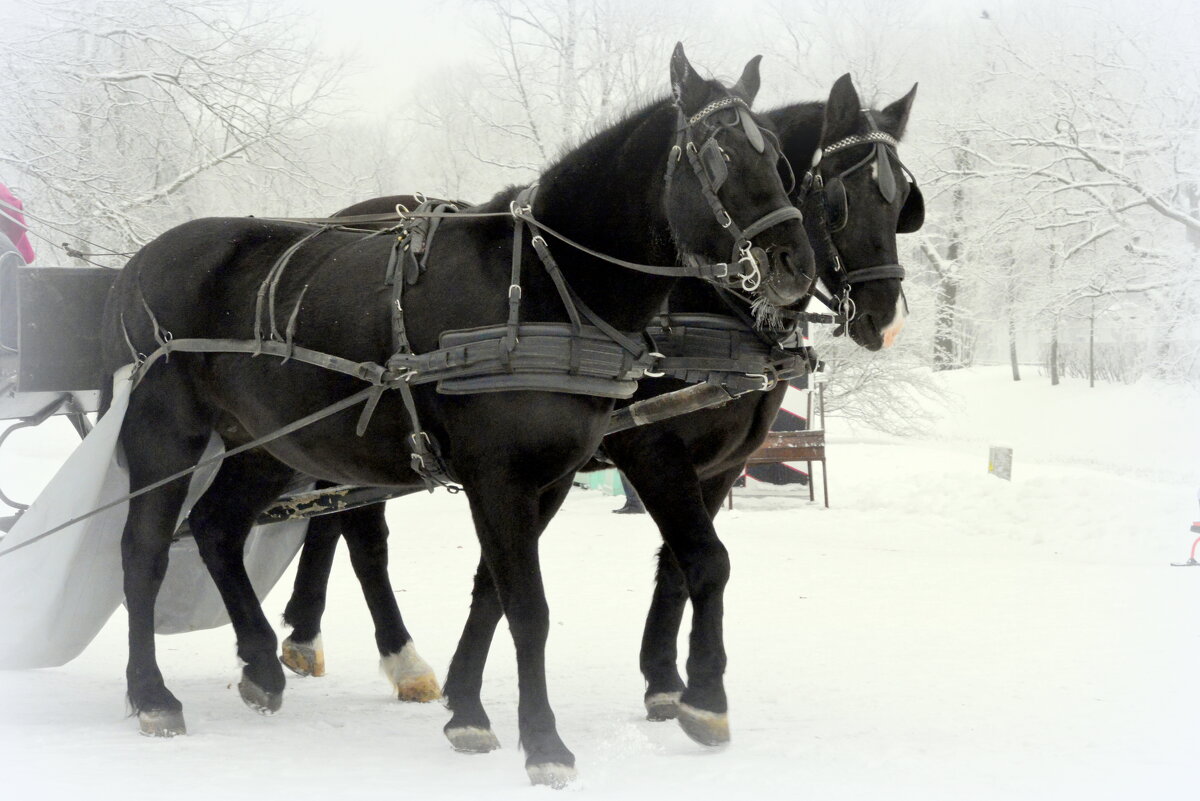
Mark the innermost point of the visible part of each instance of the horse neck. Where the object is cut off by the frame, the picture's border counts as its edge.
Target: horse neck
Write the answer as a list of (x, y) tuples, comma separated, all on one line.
[(607, 194), (799, 127)]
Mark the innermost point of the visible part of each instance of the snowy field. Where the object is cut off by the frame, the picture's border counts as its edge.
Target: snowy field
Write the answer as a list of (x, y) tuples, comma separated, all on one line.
[(937, 634)]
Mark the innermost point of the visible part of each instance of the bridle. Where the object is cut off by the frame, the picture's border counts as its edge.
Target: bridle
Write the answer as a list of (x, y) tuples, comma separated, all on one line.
[(832, 208), (711, 166)]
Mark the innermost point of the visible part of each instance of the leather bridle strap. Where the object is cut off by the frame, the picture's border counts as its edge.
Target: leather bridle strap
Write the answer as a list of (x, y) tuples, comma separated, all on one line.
[(748, 271), (873, 273)]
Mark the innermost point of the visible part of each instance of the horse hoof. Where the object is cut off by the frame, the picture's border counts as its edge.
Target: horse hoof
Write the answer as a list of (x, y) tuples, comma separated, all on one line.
[(706, 728), (411, 676), (551, 774), (472, 739), (161, 723), (662, 706), (258, 699), (304, 658)]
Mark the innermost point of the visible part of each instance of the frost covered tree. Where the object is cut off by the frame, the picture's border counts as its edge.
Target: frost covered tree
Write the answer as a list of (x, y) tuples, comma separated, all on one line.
[(121, 117), (550, 71), (1096, 151)]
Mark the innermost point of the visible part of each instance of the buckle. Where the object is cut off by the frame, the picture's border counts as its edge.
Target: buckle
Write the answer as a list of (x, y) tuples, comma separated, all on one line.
[(655, 373), (768, 382)]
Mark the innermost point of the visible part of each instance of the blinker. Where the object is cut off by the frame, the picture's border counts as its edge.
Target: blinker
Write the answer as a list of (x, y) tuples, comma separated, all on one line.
[(714, 163), (884, 177), (752, 131)]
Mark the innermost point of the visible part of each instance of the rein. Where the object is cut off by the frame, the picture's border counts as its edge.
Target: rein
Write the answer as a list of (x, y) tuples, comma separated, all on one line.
[(405, 368)]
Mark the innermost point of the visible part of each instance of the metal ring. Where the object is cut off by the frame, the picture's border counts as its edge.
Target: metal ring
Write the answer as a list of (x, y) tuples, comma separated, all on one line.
[(538, 238), (849, 308), (728, 220), (652, 373), (752, 279)]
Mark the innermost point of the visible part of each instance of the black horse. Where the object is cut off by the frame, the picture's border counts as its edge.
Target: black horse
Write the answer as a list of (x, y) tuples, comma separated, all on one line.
[(684, 467), (649, 187)]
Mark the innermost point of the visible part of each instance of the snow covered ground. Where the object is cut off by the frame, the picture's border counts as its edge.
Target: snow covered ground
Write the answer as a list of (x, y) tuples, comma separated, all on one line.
[(937, 634)]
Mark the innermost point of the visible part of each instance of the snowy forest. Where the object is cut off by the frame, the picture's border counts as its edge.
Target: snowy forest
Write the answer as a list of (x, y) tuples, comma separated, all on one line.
[(1058, 144)]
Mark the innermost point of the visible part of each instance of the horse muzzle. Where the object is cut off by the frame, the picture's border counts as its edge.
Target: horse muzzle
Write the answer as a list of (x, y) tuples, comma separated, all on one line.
[(790, 274)]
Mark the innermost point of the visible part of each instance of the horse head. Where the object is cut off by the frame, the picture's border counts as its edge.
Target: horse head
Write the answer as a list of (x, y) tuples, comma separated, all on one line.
[(856, 197), (725, 201)]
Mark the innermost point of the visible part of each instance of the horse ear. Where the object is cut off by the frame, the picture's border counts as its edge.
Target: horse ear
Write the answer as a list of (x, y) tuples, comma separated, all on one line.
[(842, 110), (687, 87), (747, 86), (894, 118)]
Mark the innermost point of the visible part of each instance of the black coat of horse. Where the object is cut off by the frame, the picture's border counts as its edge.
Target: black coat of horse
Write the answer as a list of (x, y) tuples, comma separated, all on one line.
[(514, 452), (683, 468)]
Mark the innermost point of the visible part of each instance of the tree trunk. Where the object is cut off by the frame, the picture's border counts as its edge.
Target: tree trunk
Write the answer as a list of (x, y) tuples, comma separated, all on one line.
[(945, 318), (1054, 354), (1092, 347), (1012, 348), (945, 321)]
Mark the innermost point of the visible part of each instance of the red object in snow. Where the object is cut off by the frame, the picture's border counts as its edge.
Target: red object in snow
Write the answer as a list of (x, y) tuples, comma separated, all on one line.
[(12, 223)]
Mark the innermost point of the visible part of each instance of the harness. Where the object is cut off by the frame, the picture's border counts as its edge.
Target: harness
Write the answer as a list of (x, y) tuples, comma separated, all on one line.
[(583, 356), (724, 356), (832, 209)]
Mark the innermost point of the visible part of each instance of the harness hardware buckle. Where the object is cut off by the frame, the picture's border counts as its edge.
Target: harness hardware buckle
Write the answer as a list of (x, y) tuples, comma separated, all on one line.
[(655, 373), (728, 221), (768, 383), (514, 292)]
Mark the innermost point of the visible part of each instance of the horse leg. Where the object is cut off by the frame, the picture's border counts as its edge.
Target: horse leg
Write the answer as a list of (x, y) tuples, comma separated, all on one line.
[(509, 516), (659, 654), (674, 496), (163, 433), (302, 650), (469, 729), (221, 520), (366, 534)]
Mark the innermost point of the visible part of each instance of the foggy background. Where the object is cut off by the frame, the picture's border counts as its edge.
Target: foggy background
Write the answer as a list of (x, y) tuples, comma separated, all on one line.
[(1057, 144)]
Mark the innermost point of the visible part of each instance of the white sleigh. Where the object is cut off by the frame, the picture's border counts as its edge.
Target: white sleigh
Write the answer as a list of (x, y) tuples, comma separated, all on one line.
[(58, 592)]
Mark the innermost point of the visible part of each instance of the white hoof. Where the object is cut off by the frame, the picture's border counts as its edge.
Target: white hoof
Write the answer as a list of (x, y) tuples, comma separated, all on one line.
[(410, 675), (472, 740), (706, 728), (551, 774)]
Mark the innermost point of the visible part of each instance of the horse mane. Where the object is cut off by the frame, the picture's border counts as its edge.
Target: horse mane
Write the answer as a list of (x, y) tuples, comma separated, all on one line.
[(600, 137)]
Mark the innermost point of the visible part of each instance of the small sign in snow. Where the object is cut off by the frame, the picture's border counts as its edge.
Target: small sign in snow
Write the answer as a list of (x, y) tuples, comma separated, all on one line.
[(1000, 462)]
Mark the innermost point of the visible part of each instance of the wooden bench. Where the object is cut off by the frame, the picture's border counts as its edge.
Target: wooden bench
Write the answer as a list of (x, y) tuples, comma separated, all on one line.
[(798, 446)]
